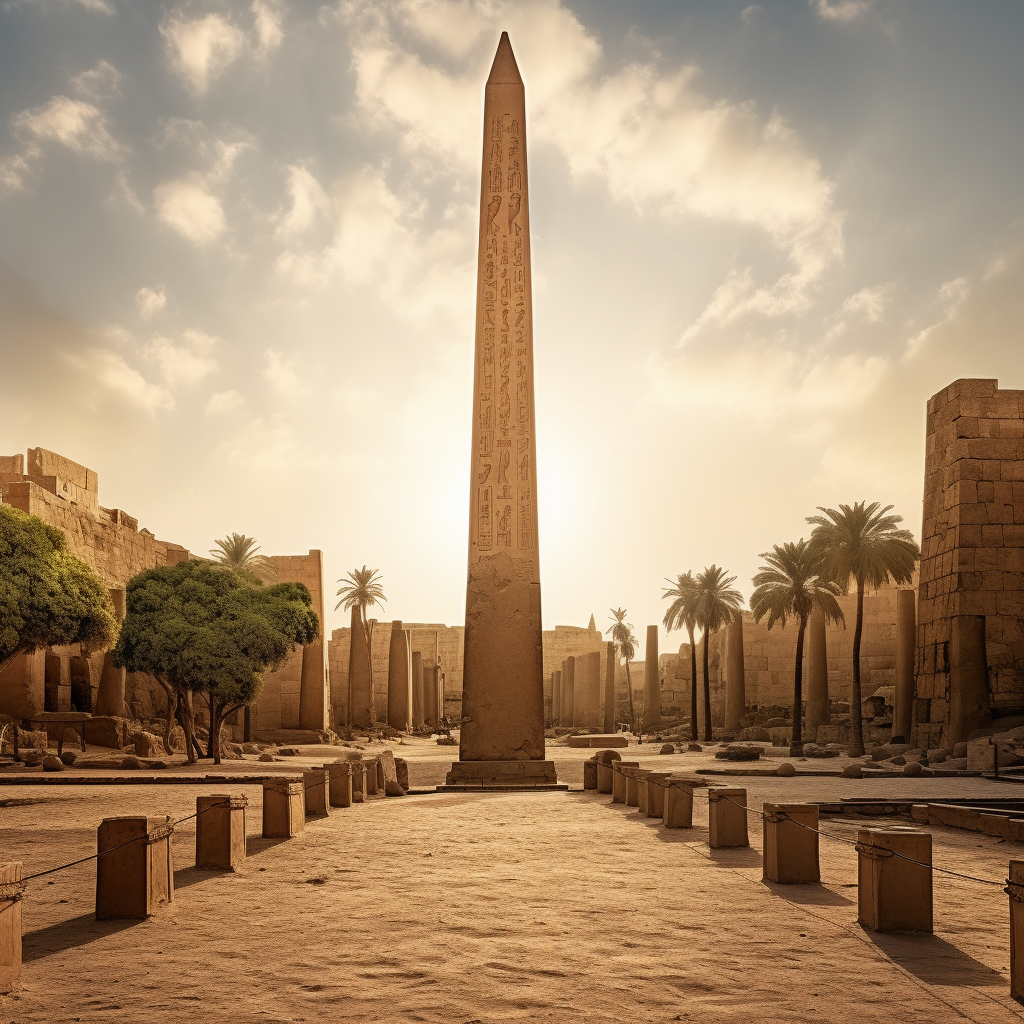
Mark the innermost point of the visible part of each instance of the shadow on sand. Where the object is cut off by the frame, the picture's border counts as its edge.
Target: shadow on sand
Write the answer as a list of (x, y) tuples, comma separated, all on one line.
[(935, 961), (78, 931), (807, 895)]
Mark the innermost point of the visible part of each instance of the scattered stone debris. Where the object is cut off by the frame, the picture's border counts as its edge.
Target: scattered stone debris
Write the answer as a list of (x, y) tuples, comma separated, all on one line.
[(667, 748), (787, 770), (739, 752), (52, 763)]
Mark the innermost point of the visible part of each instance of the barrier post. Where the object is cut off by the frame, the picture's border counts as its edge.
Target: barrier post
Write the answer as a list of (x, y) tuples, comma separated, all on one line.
[(339, 784), (655, 787), (590, 773), (790, 852), (370, 779), (220, 832), (727, 818), (358, 781), (11, 890), (134, 867), (893, 894), (314, 783), (619, 780), (284, 808), (1015, 890)]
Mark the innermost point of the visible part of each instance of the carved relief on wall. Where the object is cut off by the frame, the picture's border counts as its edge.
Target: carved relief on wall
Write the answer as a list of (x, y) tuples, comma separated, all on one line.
[(483, 518), (505, 526), (525, 518)]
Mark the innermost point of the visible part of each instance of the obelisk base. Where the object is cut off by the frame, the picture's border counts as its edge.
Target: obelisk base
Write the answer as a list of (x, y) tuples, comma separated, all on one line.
[(501, 776)]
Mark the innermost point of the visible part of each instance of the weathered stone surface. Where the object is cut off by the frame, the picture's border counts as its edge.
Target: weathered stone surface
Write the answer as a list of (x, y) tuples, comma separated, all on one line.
[(786, 770), (359, 692), (501, 774), (52, 763), (147, 745), (652, 682), (739, 752), (735, 679), (399, 679), (597, 741)]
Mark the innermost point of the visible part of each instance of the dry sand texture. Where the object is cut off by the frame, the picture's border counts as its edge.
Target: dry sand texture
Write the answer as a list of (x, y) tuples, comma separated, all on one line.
[(500, 907)]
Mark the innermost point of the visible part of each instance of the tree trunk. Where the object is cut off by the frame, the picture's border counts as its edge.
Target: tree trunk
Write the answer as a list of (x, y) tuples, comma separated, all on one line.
[(172, 708), (707, 691), (629, 693), (223, 714), (216, 720), (796, 744), (209, 738), (856, 722), (188, 724), (693, 687)]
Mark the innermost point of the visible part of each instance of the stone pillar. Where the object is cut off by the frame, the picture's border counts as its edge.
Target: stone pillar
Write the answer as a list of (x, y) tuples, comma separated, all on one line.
[(313, 695), (968, 678), (652, 682), (569, 692), (339, 783), (314, 784), (11, 889), (431, 699), (790, 847), (677, 811), (418, 705), (220, 832), (590, 773), (588, 691), (727, 818), (134, 870), (110, 698), (817, 675), (359, 695), (610, 664), (657, 783), (893, 894), (399, 679), (1015, 887), (735, 683), (556, 698), (284, 808), (906, 640)]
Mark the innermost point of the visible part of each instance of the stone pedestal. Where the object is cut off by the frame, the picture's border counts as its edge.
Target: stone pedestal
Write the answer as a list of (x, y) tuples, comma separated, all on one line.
[(590, 773), (137, 874), (655, 785), (620, 781), (632, 787), (735, 681), (314, 784), (11, 889), (817, 675), (894, 895), (1015, 890), (906, 640), (727, 818), (339, 783), (677, 811), (220, 832), (790, 847), (501, 775), (652, 682), (284, 808), (605, 759)]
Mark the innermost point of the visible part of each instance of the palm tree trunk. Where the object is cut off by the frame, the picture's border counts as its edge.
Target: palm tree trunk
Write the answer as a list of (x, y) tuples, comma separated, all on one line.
[(796, 744), (707, 691), (856, 722), (693, 687), (629, 692)]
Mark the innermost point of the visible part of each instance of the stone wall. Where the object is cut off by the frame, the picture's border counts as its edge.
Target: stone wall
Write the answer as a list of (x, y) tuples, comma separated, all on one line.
[(972, 565)]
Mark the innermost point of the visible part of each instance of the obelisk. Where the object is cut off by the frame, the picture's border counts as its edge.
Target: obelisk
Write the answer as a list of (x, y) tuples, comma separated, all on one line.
[(502, 737)]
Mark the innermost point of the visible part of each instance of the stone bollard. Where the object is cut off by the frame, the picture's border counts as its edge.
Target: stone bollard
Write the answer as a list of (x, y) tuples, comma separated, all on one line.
[(370, 780), (590, 773), (632, 787), (641, 789), (220, 832), (11, 890), (358, 781), (339, 783), (677, 810), (727, 818), (790, 847), (620, 780), (605, 758), (894, 895), (284, 808), (137, 874), (655, 787), (1015, 890), (314, 784)]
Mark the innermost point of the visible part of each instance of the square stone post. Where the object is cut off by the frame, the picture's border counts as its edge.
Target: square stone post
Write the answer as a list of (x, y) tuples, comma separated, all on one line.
[(358, 781), (1015, 890), (370, 781), (632, 789), (727, 818), (655, 786), (641, 789), (339, 783), (610, 662), (893, 894), (284, 808), (11, 890), (314, 782), (790, 852), (605, 759), (220, 832), (134, 870), (590, 773), (677, 810), (619, 781)]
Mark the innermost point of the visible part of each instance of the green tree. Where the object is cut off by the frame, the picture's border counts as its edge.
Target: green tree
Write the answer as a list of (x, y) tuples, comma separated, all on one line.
[(863, 543), (240, 554), (790, 586), (48, 597), (361, 589), (717, 602), (682, 614), (200, 628), (625, 645)]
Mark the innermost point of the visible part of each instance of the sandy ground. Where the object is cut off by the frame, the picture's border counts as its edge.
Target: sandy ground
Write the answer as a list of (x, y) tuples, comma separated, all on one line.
[(500, 907)]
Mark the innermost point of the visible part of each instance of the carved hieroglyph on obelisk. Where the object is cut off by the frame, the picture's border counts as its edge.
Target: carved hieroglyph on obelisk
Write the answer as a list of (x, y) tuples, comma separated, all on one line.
[(502, 736)]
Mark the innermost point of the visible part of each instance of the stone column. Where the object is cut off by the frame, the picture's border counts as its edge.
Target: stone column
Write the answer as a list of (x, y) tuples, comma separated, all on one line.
[(359, 697), (588, 691), (110, 698), (569, 692), (968, 678), (817, 675), (313, 695), (906, 640), (399, 679), (652, 683), (431, 700), (418, 706), (556, 698), (610, 664), (735, 683)]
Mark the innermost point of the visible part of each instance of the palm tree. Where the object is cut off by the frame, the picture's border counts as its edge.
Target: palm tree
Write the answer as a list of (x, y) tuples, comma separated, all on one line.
[(361, 589), (864, 544), (791, 585), (717, 602), (625, 645), (239, 553), (682, 613)]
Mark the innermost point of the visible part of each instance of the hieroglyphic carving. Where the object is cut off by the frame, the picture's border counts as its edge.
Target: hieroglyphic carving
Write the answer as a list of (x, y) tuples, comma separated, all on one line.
[(505, 527), (525, 518), (483, 537)]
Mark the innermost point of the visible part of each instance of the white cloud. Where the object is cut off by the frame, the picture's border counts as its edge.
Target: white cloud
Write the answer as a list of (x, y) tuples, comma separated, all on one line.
[(200, 48), (869, 304), (309, 201), (843, 11), (73, 123), (187, 206), (263, 445), (223, 403), (187, 362), (109, 369), (268, 25), (98, 82), (150, 301), (99, 6), (283, 377)]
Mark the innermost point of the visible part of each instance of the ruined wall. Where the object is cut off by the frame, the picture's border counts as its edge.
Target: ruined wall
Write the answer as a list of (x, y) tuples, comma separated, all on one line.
[(972, 560)]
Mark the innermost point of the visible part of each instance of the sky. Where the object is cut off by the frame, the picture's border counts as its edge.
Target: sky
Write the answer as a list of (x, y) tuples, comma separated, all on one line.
[(237, 269)]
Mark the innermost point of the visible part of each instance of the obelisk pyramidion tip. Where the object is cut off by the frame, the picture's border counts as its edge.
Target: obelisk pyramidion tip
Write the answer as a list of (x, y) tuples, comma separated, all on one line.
[(504, 70)]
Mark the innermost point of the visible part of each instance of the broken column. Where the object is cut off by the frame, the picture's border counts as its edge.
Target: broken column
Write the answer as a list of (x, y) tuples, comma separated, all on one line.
[(418, 706), (431, 699), (314, 783), (587, 691), (817, 675), (399, 679), (339, 783), (968, 678), (735, 682), (284, 808), (727, 817), (610, 662), (652, 682), (894, 894), (906, 641), (556, 698), (790, 852), (134, 869), (11, 890), (370, 779), (220, 831), (677, 809)]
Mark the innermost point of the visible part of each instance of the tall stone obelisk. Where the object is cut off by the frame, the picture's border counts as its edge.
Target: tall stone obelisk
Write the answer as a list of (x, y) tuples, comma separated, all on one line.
[(502, 736)]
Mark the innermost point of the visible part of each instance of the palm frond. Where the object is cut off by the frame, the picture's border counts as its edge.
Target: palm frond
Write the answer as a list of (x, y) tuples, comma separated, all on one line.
[(360, 588)]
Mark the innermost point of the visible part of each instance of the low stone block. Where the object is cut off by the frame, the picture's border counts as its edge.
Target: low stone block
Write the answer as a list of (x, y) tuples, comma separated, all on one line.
[(134, 869), (590, 773), (315, 783), (677, 807), (220, 832), (284, 808), (358, 781), (11, 889), (894, 894), (655, 785), (370, 780), (791, 843), (597, 741), (339, 783), (727, 817)]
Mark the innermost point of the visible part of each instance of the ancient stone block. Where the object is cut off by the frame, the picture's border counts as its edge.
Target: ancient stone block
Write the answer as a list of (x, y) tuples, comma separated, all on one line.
[(220, 831), (134, 869), (339, 783), (894, 894), (791, 843), (677, 805), (284, 808), (727, 817), (11, 889)]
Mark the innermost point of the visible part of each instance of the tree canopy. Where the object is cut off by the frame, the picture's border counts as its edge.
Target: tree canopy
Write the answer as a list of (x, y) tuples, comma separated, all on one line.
[(239, 553), (47, 596)]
